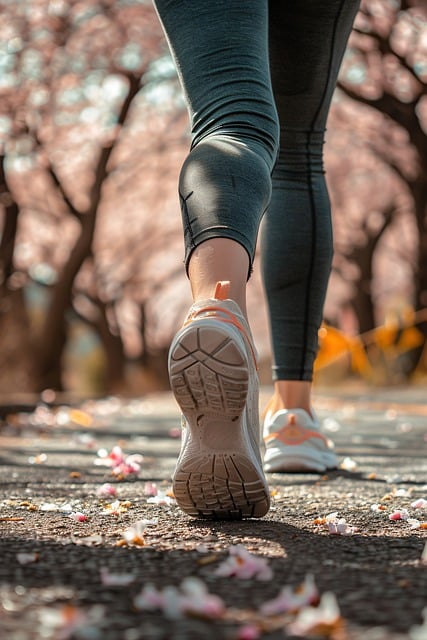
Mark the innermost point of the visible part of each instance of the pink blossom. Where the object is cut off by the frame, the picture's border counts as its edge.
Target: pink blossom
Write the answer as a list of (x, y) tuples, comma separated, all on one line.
[(198, 601), (149, 599), (120, 464), (248, 632), (78, 516), (190, 598), (290, 599), (339, 526), (419, 504), (134, 534), (150, 489), (309, 619), (244, 565), (399, 514), (106, 490), (162, 498)]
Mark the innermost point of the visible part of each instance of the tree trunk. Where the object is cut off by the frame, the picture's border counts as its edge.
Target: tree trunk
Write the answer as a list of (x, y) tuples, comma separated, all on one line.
[(114, 352), (8, 236), (53, 336)]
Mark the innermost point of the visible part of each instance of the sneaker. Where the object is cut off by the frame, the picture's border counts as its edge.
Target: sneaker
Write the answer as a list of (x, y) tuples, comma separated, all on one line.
[(293, 442), (213, 375)]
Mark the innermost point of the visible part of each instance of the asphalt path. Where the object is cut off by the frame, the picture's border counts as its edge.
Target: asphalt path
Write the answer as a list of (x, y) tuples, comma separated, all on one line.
[(75, 564)]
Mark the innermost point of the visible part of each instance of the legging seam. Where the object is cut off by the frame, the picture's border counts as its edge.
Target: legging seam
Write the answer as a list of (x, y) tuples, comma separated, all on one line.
[(187, 223), (312, 198)]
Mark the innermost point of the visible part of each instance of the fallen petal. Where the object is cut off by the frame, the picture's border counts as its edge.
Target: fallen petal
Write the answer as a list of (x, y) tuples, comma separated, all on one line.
[(248, 632), (292, 599), (348, 464), (27, 557), (79, 517), (399, 514), (115, 579), (324, 618), (419, 504), (106, 490), (244, 565)]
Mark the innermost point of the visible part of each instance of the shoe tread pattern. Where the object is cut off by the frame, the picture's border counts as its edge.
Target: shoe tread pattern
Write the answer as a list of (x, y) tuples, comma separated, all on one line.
[(210, 379)]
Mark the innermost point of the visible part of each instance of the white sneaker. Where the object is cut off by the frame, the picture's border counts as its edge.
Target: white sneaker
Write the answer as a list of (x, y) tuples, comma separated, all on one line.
[(212, 370), (294, 443)]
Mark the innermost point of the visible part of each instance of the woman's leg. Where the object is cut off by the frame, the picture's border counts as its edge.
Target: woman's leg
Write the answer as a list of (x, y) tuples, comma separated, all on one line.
[(221, 52), (307, 43)]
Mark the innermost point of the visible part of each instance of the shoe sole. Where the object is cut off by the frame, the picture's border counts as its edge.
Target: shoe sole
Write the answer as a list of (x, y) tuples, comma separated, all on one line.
[(301, 459), (217, 474)]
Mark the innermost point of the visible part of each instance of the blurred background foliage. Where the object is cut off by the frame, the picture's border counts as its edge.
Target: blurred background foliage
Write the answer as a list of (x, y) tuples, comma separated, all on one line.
[(93, 129)]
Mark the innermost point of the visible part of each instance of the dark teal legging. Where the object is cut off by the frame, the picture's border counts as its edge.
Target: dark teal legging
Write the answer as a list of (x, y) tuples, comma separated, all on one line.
[(258, 77)]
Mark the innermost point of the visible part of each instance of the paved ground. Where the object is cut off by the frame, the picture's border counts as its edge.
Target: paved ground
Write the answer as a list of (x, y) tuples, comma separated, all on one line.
[(64, 578)]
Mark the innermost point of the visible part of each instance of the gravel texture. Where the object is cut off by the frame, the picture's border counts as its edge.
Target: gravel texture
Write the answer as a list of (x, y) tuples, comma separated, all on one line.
[(48, 473)]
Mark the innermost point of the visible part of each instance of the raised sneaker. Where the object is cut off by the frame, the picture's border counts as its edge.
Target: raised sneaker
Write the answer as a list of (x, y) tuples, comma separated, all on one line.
[(293, 442), (213, 375)]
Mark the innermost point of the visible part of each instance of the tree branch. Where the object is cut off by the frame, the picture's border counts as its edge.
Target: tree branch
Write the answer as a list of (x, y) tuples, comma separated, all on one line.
[(404, 114)]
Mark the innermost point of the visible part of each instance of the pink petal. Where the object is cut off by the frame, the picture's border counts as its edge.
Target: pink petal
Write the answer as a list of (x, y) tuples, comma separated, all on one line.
[(248, 632), (27, 557), (150, 489), (419, 504), (399, 514), (78, 516), (107, 490), (115, 579)]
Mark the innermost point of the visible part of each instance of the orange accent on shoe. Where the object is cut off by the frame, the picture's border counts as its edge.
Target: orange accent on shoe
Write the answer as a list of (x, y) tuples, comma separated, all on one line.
[(221, 293), (293, 433), (222, 290), (213, 311)]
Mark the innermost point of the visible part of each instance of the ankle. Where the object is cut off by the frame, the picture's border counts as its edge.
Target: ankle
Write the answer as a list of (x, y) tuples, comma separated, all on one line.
[(219, 259), (291, 394)]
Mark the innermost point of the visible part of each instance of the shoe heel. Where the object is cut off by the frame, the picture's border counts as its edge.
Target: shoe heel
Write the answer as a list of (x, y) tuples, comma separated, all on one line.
[(208, 371)]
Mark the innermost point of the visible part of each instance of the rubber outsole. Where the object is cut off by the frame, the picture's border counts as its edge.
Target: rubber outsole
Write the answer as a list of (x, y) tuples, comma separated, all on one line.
[(217, 475)]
